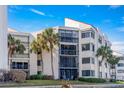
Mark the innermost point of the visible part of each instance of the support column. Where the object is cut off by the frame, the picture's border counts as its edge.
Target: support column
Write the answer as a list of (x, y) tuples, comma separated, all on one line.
[(3, 38)]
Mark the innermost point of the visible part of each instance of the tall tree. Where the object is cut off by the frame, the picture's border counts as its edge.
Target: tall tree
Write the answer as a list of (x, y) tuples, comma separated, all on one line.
[(14, 46), (37, 46), (113, 60), (51, 39), (103, 52)]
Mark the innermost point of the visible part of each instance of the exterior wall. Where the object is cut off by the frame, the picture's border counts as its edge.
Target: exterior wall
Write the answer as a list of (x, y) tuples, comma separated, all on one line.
[(120, 70), (3, 38), (76, 24), (27, 57), (47, 63), (80, 27), (86, 28), (33, 59), (47, 70)]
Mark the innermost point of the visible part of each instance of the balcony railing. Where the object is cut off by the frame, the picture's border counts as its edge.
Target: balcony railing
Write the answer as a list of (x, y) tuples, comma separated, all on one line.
[(69, 39), (69, 52), (20, 56)]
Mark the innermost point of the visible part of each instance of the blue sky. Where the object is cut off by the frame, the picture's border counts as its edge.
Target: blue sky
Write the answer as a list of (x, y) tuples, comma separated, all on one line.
[(109, 19)]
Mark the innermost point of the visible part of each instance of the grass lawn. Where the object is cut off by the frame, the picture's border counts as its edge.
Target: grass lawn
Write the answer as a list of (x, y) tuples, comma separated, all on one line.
[(119, 82), (41, 83)]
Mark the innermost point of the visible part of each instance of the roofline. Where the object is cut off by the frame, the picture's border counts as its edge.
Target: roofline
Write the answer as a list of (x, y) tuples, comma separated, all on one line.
[(79, 21)]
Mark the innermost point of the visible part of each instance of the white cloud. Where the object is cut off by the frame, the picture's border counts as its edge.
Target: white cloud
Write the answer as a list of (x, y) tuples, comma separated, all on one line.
[(38, 12), (120, 29), (118, 46), (41, 13), (114, 6)]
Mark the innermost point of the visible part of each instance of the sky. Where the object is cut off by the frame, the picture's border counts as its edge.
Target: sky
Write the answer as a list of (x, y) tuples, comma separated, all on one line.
[(109, 19)]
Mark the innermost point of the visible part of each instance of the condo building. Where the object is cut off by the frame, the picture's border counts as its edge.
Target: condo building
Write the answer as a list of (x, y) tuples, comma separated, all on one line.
[(26, 61), (120, 69), (76, 54)]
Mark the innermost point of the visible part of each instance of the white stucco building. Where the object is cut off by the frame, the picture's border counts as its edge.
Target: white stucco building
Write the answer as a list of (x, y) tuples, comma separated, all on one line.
[(75, 56), (27, 61), (3, 38), (120, 69)]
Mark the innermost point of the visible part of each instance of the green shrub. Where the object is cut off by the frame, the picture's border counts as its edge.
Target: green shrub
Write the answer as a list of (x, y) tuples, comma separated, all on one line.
[(36, 77), (112, 80), (47, 77), (41, 77), (92, 80)]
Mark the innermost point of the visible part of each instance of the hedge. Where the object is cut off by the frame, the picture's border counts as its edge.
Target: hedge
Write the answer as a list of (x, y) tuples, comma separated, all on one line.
[(41, 77), (92, 80)]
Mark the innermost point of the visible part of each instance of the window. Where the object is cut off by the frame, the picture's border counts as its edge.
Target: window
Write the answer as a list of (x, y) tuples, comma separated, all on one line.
[(93, 47), (120, 71), (85, 47), (121, 58), (25, 65), (85, 35), (93, 34), (100, 63), (13, 65), (88, 73), (85, 60), (120, 64), (68, 49), (68, 36), (106, 75), (106, 65), (100, 39), (38, 63), (93, 60), (88, 60), (68, 61), (100, 74), (19, 65)]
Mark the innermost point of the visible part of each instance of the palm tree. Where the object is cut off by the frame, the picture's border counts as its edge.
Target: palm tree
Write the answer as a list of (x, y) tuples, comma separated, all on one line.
[(51, 39), (37, 46), (103, 52), (14, 46), (113, 60)]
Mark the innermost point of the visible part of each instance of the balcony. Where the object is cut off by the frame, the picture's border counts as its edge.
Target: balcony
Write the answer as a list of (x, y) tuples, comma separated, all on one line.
[(69, 39), (20, 56), (69, 52)]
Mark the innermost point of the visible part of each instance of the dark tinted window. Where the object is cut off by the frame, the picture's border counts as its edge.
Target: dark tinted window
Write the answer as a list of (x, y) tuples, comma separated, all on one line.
[(85, 47), (88, 73), (85, 60), (85, 34)]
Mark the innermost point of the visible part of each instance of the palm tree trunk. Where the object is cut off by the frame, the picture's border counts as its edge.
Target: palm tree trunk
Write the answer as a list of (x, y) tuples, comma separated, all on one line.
[(9, 58), (99, 68), (52, 61), (99, 71)]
